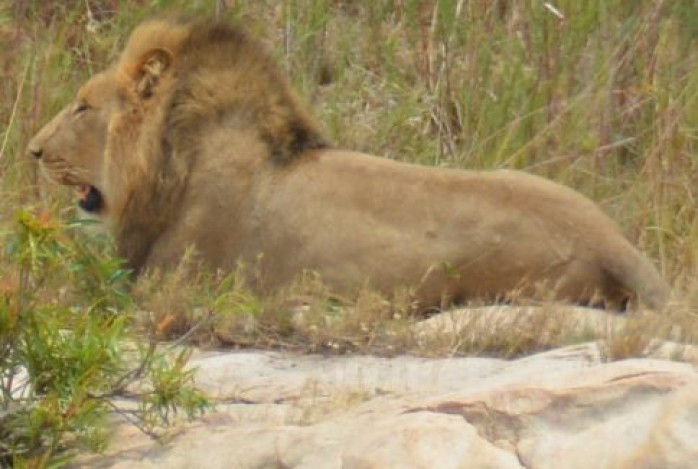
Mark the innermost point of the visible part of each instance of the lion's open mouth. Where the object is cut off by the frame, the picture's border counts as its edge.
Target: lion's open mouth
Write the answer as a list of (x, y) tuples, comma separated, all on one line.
[(89, 198)]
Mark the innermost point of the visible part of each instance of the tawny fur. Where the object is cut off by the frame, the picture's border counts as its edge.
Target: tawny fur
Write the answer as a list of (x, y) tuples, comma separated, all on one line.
[(195, 139)]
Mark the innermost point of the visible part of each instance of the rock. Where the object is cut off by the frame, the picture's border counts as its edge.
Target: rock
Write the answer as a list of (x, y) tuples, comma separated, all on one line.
[(562, 408), (423, 439)]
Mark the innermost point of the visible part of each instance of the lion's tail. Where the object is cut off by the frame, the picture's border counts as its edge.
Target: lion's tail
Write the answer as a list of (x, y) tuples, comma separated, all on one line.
[(636, 273)]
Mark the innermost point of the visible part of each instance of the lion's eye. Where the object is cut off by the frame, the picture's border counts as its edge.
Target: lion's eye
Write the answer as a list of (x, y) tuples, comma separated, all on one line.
[(81, 107)]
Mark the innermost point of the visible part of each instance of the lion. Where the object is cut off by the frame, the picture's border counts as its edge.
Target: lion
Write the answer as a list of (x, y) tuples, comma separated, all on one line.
[(193, 138)]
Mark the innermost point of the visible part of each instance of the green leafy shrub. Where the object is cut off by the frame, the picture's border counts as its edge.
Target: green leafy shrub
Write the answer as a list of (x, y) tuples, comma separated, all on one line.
[(66, 351)]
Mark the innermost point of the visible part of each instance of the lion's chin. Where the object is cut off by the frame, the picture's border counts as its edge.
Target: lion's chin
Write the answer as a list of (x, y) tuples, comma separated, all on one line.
[(90, 198)]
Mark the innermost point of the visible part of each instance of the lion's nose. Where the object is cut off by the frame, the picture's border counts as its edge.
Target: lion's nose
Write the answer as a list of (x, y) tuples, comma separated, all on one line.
[(36, 152)]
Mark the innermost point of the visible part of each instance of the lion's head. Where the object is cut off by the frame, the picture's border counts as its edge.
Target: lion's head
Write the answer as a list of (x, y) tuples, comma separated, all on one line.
[(71, 147), (130, 136), (104, 142)]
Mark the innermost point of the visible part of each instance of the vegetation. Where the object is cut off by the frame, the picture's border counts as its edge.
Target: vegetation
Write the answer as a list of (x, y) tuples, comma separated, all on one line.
[(601, 96), (66, 354)]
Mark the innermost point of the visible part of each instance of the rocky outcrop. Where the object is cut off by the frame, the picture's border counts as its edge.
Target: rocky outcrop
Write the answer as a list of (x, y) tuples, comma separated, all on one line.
[(566, 408)]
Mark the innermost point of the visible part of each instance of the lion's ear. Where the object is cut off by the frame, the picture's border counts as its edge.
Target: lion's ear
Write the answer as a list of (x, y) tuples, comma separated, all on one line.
[(152, 67)]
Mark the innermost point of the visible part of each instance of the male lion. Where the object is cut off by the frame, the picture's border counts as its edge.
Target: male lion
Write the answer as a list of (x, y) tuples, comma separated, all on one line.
[(193, 138)]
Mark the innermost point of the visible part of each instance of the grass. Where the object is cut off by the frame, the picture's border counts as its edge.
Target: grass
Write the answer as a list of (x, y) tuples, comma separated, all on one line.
[(601, 96)]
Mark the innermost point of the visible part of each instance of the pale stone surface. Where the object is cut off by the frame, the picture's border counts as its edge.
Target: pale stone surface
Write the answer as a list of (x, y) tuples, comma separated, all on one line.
[(563, 408)]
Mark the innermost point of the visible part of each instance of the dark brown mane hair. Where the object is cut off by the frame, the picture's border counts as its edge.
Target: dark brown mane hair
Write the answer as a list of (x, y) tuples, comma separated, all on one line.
[(251, 83)]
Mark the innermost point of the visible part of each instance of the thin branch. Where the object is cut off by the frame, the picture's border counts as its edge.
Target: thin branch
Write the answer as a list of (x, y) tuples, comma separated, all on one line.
[(132, 418)]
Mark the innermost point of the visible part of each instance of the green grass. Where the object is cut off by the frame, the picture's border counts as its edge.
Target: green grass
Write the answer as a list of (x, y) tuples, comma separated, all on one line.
[(601, 96)]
